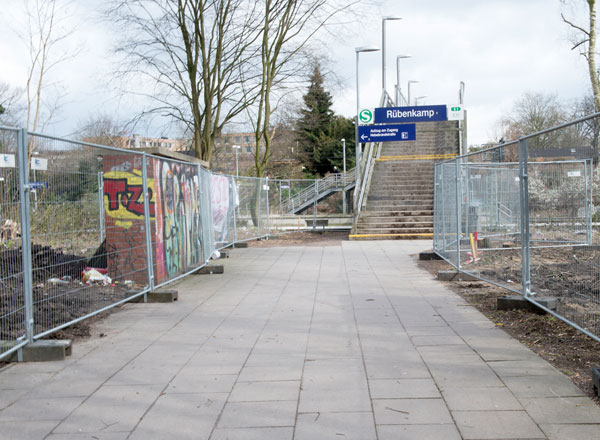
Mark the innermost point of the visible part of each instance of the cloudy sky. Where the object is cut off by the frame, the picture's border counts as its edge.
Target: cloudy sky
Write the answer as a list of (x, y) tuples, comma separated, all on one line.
[(499, 48)]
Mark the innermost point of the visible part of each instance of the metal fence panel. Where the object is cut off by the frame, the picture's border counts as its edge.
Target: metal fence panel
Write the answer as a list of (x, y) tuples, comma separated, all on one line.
[(82, 264), (525, 218), (12, 300)]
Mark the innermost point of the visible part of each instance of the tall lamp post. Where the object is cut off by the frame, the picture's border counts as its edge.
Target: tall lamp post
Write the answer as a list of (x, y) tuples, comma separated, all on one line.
[(344, 177), (383, 20), (419, 97), (358, 51), (398, 86), (237, 148), (412, 81)]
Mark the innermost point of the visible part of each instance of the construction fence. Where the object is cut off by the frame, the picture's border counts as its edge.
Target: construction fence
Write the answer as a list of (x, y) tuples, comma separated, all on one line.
[(522, 215), (86, 227)]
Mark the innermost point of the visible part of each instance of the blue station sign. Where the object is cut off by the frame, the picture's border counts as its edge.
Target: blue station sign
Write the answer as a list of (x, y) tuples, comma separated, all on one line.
[(387, 133), (422, 113)]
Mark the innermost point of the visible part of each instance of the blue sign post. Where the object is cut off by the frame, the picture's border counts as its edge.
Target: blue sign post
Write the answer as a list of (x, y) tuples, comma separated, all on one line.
[(422, 113), (387, 133)]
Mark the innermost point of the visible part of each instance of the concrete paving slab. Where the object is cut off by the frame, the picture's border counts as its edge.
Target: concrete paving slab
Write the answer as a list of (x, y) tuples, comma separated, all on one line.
[(191, 380), (484, 399), (410, 412), (555, 385), (180, 416), (258, 414), (265, 391), (111, 409), (333, 426), (310, 340), (571, 431), (562, 410), (34, 429), (40, 409), (420, 432), (482, 425), (253, 434), (94, 436), (403, 389)]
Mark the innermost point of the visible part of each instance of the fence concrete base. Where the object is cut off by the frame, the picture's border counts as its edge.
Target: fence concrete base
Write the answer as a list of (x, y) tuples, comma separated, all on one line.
[(44, 351), (223, 254), (452, 275), (429, 255), (517, 302), (596, 380), (241, 245), (210, 270), (163, 296)]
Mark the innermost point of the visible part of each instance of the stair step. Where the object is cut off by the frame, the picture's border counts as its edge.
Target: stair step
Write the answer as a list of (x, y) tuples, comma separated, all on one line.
[(416, 220), (387, 214), (394, 230)]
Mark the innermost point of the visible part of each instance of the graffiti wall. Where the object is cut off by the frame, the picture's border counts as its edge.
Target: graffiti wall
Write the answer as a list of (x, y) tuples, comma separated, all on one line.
[(124, 218), (174, 194), (178, 232)]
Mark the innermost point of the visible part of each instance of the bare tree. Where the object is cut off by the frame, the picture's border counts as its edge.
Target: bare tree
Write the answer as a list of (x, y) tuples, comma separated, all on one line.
[(191, 55), (533, 112), (287, 28), (43, 33), (11, 107), (585, 42)]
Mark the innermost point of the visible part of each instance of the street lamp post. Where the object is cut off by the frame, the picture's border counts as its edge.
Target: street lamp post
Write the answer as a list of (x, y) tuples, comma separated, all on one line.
[(398, 87), (236, 148), (358, 50), (383, 79), (412, 81), (419, 97), (344, 177)]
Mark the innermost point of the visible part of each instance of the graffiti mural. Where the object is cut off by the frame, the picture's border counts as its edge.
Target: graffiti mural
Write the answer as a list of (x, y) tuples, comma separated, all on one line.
[(124, 194), (177, 213)]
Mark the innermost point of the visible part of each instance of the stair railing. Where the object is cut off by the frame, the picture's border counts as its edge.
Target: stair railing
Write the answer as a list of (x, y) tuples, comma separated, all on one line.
[(319, 187), (367, 166)]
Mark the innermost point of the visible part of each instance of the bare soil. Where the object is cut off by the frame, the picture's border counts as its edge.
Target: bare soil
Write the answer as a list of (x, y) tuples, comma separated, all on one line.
[(567, 349), (303, 238)]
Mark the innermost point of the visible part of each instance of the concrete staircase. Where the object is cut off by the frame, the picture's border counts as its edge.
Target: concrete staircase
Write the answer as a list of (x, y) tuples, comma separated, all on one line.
[(400, 197)]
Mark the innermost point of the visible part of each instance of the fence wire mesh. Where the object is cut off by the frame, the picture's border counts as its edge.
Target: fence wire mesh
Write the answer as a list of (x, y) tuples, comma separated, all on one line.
[(12, 300), (522, 216), (99, 226)]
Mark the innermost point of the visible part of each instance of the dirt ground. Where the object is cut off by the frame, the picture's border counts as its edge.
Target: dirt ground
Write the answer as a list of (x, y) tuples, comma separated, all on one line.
[(326, 238), (567, 349)]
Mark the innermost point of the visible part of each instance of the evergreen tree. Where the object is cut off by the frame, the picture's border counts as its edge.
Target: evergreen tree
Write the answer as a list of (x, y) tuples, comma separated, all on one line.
[(316, 120)]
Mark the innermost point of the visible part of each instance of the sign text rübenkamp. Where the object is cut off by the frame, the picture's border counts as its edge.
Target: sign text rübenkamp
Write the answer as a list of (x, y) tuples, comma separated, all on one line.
[(423, 113)]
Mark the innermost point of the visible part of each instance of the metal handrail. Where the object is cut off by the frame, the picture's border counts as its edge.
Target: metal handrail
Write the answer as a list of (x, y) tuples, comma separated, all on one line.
[(318, 187)]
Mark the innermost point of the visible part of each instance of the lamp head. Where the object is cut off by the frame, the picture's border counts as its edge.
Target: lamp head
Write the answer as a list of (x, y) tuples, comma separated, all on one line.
[(366, 49)]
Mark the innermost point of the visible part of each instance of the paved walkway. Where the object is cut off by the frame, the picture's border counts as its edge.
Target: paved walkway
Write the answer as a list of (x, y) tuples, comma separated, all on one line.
[(317, 343)]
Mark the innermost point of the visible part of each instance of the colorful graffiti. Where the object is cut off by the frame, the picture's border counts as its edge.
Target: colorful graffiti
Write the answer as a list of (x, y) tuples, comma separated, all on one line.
[(124, 196), (177, 226)]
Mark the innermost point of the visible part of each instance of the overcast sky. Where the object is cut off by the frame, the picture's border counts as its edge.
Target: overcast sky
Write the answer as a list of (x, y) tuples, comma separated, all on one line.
[(499, 48)]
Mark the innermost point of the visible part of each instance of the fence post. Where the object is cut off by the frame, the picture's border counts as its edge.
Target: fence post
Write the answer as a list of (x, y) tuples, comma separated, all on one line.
[(524, 203), (458, 214), (258, 204), (24, 190), (268, 209), (589, 206), (101, 204), (234, 199), (315, 204), (147, 224)]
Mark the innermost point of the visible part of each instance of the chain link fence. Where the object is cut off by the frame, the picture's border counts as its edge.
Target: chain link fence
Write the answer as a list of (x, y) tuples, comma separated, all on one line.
[(86, 227), (522, 215)]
